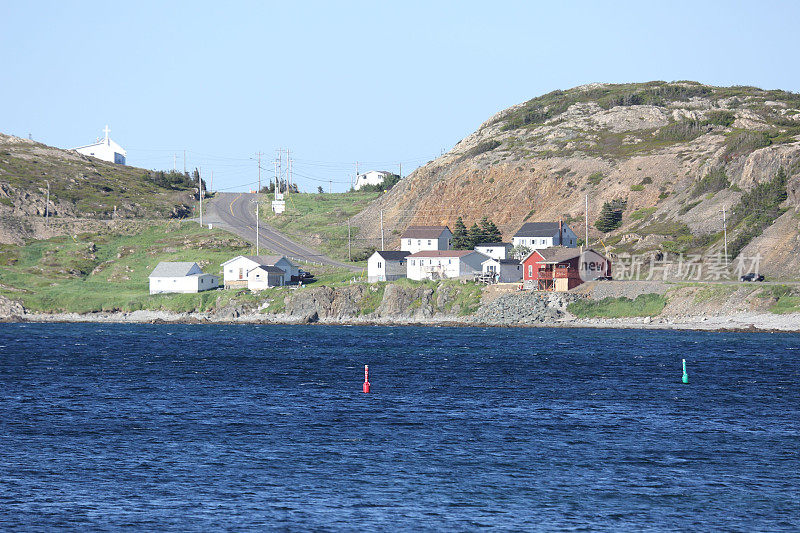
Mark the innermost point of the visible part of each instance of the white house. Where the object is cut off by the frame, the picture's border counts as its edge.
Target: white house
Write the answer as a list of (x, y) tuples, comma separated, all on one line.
[(107, 150), (503, 270), (497, 250), (386, 265), (236, 271), (372, 177), (539, 235), (418, 238), (264, 277), (441, 264), (182, 276)]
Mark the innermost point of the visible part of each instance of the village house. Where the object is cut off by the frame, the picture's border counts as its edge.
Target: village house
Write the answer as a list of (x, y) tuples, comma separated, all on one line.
[(560, 269), (419, 238), (502, 270), (264, 277), (443, 264), (538, 235), (180, 276), (236, 271), (371, 177), (495, 250), (387, 265), (105, 149)]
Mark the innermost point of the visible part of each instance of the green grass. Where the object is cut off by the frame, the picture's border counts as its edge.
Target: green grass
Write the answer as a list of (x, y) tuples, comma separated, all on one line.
[(91, 186), (637, 188), (643, 213), (91, 272), (642, 305), (786, 299), (320, 220)]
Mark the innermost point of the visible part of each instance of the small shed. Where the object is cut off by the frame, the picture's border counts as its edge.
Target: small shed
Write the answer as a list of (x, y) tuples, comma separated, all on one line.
[(180, 276), (503, 270), (387, 265), (264, 277)]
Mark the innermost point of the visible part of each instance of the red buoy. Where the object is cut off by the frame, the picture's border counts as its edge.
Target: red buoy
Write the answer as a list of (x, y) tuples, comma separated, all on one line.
[(366, 379)]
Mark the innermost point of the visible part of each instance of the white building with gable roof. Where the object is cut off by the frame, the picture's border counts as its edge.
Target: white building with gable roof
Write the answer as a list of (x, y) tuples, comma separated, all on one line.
[(180, 276), (105, 149)]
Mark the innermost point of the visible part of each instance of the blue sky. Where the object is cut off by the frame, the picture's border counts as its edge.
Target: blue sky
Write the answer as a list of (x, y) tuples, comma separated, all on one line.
[(344, 82)]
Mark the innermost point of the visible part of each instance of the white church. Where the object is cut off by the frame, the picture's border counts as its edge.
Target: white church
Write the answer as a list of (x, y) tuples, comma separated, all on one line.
[(105, 149)]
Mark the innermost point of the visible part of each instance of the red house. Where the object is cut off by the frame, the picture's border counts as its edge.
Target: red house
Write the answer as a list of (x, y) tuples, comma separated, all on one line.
[(561, 269)]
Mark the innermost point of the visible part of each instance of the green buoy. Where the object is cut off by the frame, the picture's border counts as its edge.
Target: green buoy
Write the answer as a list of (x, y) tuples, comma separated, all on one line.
[(685, 377)]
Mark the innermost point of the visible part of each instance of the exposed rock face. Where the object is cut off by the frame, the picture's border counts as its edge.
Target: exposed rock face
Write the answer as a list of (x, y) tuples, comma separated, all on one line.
[(648, 144), (10, 308)]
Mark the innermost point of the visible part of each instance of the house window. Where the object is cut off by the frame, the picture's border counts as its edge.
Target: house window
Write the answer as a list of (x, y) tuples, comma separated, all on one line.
[(419, 242), (379, 264), (411, 262), (241, 273), (429, 242), (449, 261), (409, 242), (530, 271)]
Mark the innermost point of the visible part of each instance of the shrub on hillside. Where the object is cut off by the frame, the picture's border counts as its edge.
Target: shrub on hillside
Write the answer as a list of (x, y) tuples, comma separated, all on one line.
[(611, 215)]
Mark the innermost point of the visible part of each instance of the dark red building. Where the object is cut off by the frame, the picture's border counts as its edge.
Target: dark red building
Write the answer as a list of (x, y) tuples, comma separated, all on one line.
[(561, 269)]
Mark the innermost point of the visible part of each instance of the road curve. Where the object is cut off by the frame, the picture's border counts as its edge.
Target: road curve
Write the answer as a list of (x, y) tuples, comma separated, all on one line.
[(236, 212)]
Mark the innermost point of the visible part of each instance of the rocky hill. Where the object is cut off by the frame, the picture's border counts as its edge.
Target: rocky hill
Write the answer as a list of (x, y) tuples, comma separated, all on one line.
[(85, 193), (663, 158)]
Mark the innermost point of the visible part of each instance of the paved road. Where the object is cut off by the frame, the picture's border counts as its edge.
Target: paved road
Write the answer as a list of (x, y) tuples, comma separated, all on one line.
[(236, 212)]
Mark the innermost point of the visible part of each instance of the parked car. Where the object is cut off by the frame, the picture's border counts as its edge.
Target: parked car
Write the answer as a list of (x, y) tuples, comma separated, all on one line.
[(752, 276), (303, 275)]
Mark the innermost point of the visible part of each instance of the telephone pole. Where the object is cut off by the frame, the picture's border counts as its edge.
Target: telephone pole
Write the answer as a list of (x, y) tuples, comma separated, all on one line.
[(200, 191), (258, 196), (586, 222), (47, 204), (725, 231), (184, 161)]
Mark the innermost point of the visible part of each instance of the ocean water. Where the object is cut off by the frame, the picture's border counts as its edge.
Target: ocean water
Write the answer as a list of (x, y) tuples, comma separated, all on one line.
[(198, 428)]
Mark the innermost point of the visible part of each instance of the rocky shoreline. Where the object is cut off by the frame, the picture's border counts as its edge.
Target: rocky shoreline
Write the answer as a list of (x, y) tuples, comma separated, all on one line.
[(735, 322)]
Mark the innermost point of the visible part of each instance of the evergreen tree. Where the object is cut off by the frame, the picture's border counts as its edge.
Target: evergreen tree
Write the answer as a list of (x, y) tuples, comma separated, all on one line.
[(611, 216), (460, 238), (474, 236), (490, 231)]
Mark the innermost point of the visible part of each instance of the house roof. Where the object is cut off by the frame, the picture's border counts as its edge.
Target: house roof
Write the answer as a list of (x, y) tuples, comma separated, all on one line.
[(503, 261), (559, 254), (393, 255), (423, 232), (538, 229), (172, 269), (266, 260), (506, 244), (444, 253), (267, 268)]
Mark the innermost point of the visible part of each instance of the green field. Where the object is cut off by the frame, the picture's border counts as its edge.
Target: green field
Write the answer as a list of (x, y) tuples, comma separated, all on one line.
[(642, 305), (320, 221)]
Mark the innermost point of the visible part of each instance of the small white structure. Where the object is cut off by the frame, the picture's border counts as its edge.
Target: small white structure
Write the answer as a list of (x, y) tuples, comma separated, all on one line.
[(386, 265), (278, 204), (419, 238), (496, 250), (264, 277), (443, 264), (107, 150), (503, 270), (372, 177), (539, 235), (181, 276), (236, 271)]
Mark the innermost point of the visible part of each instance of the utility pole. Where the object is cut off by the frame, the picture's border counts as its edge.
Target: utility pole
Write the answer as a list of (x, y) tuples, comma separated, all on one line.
[(401, 170), (382, 245), (349, 255), (200, 191), (47, 204), (289, 172), (258, 196), (211, 182), (725, 231), (586, 222), (174, 162), (184, 161), (330, 186)]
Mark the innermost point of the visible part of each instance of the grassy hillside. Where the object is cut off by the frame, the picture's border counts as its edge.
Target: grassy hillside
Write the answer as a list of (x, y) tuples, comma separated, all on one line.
[(81, 186), (320, 220)]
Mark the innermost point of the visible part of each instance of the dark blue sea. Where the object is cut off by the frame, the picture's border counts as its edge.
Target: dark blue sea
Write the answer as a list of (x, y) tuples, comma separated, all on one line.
[(252, 428)]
